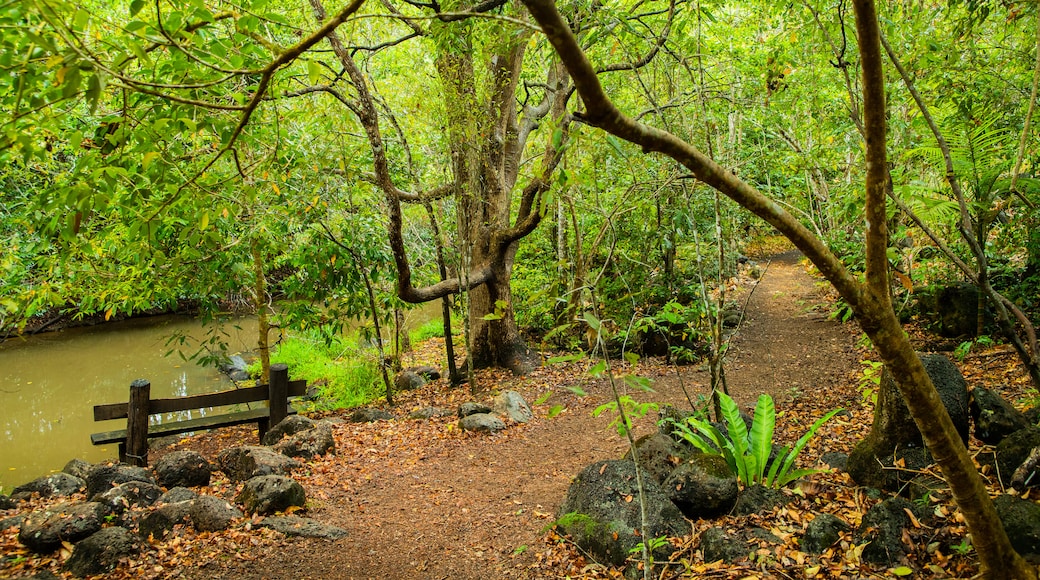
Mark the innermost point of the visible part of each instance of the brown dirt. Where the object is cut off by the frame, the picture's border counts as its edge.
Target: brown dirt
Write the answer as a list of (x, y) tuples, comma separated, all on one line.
[(422, 500)]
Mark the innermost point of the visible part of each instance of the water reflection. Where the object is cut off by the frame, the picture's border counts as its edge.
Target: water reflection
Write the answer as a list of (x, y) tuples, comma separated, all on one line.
[(50, 383)]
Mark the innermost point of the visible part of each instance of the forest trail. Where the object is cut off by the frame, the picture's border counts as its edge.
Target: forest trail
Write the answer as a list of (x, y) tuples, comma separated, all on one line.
[(421, 500)]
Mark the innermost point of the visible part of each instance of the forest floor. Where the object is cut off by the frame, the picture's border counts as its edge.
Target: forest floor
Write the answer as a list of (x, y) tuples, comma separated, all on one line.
[(421, 499)]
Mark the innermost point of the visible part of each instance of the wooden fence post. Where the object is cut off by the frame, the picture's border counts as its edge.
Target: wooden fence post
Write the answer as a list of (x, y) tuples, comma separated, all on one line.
[(279, 394), (136, 450)]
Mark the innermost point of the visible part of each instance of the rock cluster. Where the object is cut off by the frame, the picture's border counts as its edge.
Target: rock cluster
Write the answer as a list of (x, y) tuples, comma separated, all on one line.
[(125, 506)]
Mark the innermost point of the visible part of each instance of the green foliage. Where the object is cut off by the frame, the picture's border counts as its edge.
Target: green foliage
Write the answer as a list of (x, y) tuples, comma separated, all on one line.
[(432, 329), (632, 410), (965, 347), (348, 376), (870, 380), (747, 451)]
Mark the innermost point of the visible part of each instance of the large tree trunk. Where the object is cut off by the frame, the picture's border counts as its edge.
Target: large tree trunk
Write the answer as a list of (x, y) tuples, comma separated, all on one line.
[(495, 337)]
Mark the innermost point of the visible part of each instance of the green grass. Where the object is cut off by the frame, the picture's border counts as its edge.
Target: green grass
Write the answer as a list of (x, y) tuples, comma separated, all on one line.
[(348, 376), (432, 329)]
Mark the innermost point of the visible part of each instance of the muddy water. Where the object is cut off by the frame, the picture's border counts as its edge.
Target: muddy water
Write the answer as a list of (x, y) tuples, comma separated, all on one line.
[(49, 384)]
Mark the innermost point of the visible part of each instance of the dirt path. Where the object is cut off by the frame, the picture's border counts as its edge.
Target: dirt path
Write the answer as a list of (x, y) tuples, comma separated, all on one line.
[(421, 500)]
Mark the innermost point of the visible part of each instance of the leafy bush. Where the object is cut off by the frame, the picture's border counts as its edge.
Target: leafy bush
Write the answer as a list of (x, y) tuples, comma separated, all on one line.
[(747, 452)]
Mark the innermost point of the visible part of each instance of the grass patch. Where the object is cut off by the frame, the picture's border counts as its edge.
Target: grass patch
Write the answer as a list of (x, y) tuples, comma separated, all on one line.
[(433, 329), (348, 376)]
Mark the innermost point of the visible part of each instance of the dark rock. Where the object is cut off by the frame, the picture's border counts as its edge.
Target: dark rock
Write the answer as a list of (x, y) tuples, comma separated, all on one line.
[(291, 425), (668, 416), (12, 522), (105, 476), (882, 526), (308, 444), (513, 406), (835, 460), (408, 381), (271, 493), (45, 529), (302, 527), (248, 461), (212, 514), (161, 521), (183, 469), (177, 494), (129, 495), (1013, 451), (77, 468), (427, 372), (368, 415), (54, 485), (481, 423), (994, 417), (822, 533), (928, 488), (702, 487), (471, 408), (429, 413), (100, 553), (7, 503), (894, 428), (758, 499), (659, 454), (1021, 519), (1032, 415), (601, 512), (717, 545)]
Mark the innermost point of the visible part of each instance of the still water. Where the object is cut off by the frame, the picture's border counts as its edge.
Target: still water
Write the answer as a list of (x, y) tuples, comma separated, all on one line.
[(49, 384)]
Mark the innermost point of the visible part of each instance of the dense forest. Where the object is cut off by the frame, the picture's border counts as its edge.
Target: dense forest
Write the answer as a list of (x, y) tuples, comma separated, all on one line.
[(558, 175)]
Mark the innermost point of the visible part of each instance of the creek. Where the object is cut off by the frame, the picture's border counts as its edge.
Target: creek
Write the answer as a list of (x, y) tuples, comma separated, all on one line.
[(50, 382)]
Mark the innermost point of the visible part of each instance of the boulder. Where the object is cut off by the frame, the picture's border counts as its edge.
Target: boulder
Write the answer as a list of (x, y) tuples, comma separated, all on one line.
[(183, 469), (822, 533), (601, 512), (659, 454), (129, 495), (894, 428), (291, 425), (702, 487), (271, 493), (1021, 519), (212, 514), (11, 522), (45, 529), (7, 503), (1013, 451), (104, 476), (429, 413), (482, 423), (308, 444), (248, 461), (368, 415), (513, 406), (302, 527), (954, 308), (427, 372), (408, 381), (54, 485), (101, 552), (718, 545), (994, 417), (835, 460), (77, 468), (177, 494), (882, 530), (471, 408), (758, 499), (161, 520)]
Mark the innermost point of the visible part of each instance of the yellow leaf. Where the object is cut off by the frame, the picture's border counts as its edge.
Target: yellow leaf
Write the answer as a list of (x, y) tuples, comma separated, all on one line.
[(148, 158), (812, 571), (901, 571), (60, 75), (108, 314), (277, 190)]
